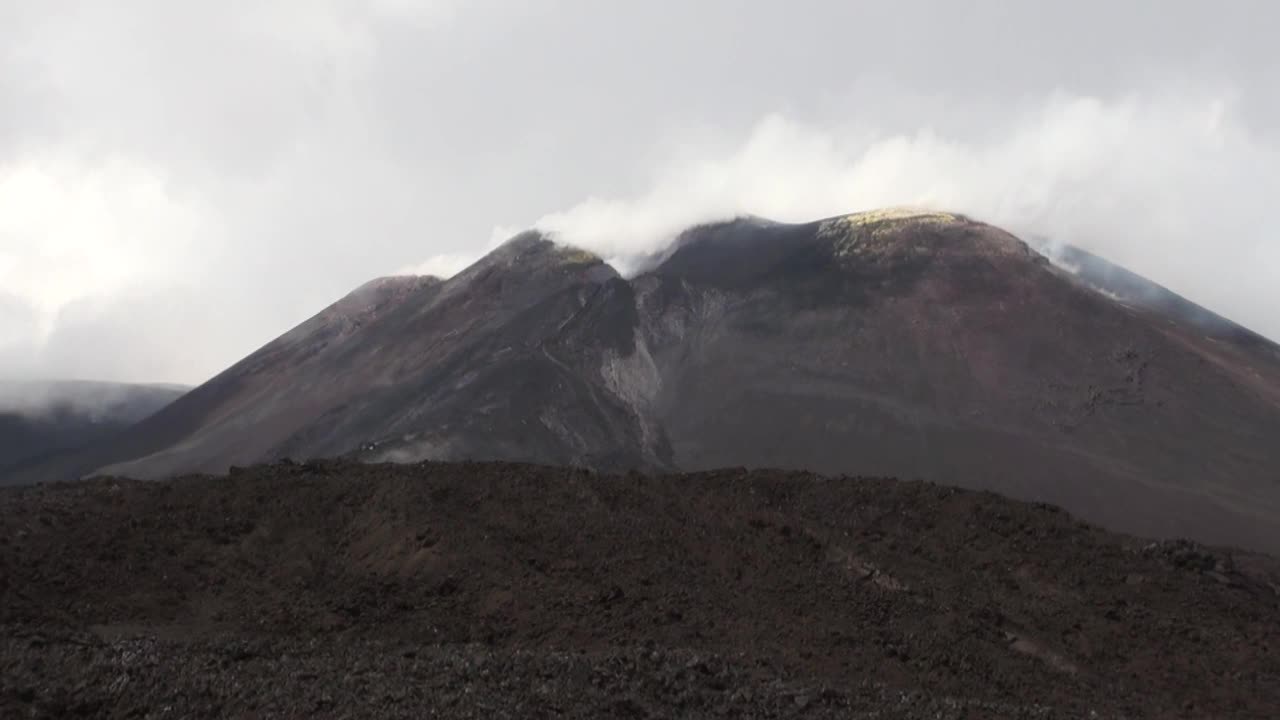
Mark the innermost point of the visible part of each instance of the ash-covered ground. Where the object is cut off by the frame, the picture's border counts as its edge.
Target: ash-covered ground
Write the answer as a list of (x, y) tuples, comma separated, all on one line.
[(331, 589)]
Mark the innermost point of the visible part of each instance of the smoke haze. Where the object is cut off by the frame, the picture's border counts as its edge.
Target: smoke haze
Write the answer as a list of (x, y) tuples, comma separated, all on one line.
[(92, 401)]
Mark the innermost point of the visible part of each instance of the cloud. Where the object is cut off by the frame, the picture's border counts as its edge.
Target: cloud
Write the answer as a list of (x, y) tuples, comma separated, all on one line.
[(21, 334), (68, 230), (214, 162), (182, 182), (1173, 186)]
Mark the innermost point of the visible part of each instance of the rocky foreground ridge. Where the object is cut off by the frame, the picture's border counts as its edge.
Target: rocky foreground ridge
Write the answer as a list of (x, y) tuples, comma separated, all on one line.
[(334, 589)]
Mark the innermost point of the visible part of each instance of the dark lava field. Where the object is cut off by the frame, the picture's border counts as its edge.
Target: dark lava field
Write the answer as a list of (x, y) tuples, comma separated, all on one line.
[(486, 590)]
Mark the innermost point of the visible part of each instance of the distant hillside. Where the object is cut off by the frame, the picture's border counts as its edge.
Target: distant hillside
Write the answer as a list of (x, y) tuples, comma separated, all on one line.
[(42, 419)]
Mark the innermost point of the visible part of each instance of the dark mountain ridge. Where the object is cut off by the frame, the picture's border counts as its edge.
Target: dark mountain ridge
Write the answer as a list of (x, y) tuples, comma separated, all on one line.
[(1132, 289), (891, 343), (41, 420)]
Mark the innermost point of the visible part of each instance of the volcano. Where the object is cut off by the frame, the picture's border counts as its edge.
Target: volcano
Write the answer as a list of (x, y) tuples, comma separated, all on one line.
[(894, 343)]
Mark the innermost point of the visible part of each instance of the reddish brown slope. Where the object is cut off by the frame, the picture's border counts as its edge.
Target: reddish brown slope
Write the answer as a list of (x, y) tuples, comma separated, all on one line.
[(941, 348), (219, 422), (457, 368)]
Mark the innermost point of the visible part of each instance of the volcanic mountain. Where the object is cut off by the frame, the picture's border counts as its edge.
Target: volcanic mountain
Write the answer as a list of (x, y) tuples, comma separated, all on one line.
[(41, 419), (886, 343)]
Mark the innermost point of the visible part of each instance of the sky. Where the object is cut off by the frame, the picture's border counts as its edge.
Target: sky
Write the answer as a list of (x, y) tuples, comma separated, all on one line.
[(181, 181)]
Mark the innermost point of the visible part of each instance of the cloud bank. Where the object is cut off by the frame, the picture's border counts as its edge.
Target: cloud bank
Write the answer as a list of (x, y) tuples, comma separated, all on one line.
[(182, 182)]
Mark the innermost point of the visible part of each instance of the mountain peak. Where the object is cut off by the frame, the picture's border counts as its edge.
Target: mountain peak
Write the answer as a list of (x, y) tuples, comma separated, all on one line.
[(897, 214), (857, 251), (898, 341), (366, 301), (533, 253), (540, 243)]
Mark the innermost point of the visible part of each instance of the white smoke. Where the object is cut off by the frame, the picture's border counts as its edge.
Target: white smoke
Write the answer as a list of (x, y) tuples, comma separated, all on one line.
[(1174, 187)]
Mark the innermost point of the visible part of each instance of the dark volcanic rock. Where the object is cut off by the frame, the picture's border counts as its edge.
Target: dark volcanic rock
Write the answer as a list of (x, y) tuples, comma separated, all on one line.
[(486, 590), (916, 345)]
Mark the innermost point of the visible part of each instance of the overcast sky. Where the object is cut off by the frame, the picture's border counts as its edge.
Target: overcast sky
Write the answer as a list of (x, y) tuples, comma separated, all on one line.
[(182, 181)]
